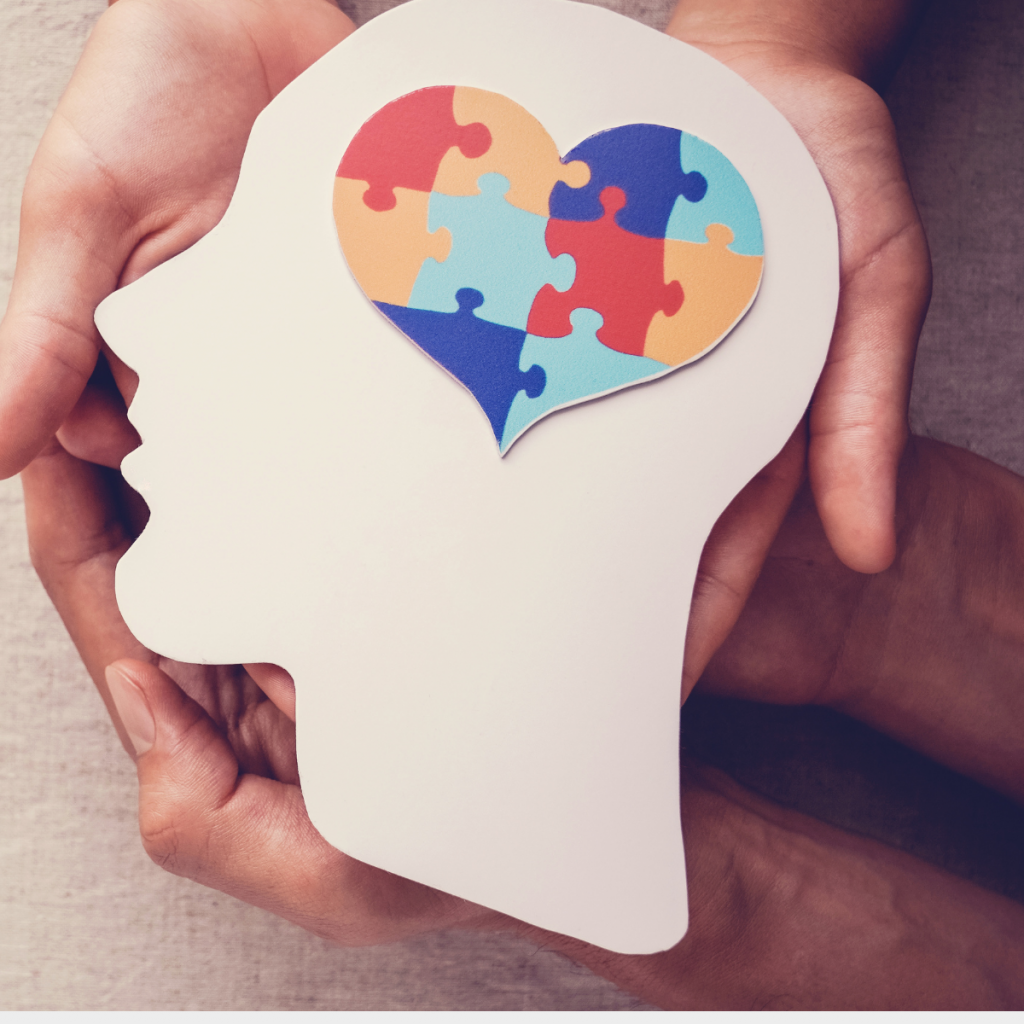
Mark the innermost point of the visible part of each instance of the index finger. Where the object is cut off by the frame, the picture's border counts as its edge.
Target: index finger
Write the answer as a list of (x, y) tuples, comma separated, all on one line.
[(74, 242)]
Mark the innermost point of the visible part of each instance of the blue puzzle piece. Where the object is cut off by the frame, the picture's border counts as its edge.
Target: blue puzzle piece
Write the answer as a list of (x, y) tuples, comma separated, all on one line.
[(576, 367), (728, 201), (485, 357), (642, 160), (497, 249)]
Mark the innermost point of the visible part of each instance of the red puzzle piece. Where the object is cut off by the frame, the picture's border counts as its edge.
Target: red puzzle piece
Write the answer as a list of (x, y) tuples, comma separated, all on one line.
[(619, 274), (403, 143)]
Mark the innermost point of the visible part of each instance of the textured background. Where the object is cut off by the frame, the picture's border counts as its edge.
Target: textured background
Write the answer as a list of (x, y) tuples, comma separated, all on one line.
[(87, 922)]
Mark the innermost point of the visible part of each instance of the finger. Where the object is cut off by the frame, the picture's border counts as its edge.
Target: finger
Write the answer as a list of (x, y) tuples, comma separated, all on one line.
[(277, 684), (76, 537), (106, 199), (785, 646), (250, 836), (858, 423), (97, 428), (858, 417), (734, 553), (73, 242), (126, 379)]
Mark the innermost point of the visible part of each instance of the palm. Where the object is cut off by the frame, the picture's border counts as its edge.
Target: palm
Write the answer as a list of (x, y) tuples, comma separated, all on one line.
[(158, 130), (261, 736), (138, 163), (857, 410)]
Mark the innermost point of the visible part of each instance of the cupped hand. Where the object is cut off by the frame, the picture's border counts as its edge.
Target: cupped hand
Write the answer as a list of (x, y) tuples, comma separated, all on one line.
[(931, 651), (858, 418), (139, 162), (219, 800), (219, 794), (785, 911)]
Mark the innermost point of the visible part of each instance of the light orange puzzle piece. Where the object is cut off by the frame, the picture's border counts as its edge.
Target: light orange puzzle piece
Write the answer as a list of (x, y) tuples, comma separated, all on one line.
[(520, 149), (386, 250), (718, 287)]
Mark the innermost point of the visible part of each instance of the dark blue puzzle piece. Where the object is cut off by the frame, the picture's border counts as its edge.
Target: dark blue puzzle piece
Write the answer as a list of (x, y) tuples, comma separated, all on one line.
[(644, 161), (483, 356)]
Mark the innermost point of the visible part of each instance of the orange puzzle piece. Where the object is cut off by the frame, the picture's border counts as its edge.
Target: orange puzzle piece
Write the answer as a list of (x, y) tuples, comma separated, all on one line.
[(719, 286), (386, 249), (521, 150)]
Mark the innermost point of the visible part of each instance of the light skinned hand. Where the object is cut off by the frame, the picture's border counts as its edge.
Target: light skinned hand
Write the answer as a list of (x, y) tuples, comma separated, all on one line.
[(139, 161), (816, 61), (219, 800)]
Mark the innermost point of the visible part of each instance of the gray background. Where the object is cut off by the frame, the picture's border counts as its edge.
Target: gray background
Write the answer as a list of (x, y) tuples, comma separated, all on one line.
[(87, 922)]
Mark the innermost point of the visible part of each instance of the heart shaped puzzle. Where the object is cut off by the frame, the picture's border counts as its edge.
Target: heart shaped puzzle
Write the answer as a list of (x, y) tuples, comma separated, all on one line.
[(538, 281)]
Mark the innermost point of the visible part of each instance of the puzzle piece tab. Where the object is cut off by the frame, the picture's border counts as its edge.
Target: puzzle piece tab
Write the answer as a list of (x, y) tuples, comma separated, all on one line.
[(728, 201), (520, 149), (644, 161), (719, 287), (618, 273), (403, 143), (386, 250), (485, 357), (498, 249), (577, 368)]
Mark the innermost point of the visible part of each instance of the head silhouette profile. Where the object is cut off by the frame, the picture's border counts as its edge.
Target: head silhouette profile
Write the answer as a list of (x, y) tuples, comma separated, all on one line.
[(487, 650)]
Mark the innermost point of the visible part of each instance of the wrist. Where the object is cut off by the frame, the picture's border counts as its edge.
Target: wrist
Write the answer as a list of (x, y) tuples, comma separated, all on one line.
[(789, 913)]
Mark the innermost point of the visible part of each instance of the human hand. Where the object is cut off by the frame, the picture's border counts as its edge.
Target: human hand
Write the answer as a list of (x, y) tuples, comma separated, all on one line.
[(139, 161), (931, 651), (785, 911), (219, 800), (813, 59), (789, 913), (135, 197)]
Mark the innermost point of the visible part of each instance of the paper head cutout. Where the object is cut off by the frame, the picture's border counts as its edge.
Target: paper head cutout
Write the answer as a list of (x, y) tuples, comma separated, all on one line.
[(540, 283), (486, 651)]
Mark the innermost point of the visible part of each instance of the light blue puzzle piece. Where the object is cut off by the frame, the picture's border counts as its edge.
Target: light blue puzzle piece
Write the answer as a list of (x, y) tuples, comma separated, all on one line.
[(497, 249), (727, 201), (576, 367)]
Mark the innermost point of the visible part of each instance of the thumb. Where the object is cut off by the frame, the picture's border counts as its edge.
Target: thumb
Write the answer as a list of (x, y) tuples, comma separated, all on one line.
[(187, 770), (249, 836)]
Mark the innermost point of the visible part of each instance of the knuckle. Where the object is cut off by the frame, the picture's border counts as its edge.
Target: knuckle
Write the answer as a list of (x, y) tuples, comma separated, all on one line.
[(168, 835), (710, 583)]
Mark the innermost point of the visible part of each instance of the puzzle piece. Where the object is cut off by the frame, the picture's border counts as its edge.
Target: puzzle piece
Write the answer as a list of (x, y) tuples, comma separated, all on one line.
[(719, 287), (403, 143), (485, 357), (520, 149), (497, 249), (577, 368), (619, 274), (644, 161), (728, 201), (386, 250)]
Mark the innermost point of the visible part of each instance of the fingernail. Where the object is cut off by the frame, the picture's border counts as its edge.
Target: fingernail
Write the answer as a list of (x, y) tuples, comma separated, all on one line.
[(133, 708)]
